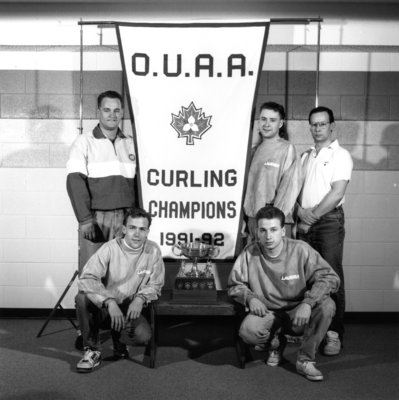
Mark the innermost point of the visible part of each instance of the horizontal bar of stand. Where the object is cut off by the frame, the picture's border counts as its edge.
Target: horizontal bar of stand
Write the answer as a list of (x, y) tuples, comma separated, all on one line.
[(293, 21)]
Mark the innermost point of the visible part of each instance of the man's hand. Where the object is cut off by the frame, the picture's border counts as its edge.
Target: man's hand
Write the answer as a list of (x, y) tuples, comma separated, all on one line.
[(302, 314), (117, 318), (88, 230), (303, 228), (135, 308), (256, 307), (307, 216)]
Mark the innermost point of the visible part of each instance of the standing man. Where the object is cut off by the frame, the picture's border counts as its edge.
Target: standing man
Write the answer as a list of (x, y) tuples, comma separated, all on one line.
[(285, 284), (274, 176), (100, 182), (327, 169), (122, 276)]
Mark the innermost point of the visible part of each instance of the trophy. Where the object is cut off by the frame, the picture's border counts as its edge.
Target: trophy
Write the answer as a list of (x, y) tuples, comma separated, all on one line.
[(193, 284)]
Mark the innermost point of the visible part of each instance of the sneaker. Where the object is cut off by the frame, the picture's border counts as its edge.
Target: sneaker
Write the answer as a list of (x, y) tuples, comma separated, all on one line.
[(277, 346), (309, 370), (91, 359), (333, 344), (121, 353), (120, 350), (274, 358)]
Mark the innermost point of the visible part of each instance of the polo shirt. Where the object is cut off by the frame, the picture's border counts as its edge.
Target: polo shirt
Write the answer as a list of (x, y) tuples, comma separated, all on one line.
[(333, 163)]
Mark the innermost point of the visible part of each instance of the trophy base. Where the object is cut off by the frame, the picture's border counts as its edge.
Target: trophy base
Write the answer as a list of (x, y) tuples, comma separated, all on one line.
[(193, 290)]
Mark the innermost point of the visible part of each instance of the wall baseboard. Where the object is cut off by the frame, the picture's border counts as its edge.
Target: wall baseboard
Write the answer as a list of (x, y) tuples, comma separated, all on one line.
[(43, 313)]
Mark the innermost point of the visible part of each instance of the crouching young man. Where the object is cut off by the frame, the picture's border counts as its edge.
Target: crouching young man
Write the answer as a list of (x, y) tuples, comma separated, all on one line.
[(124, 275), (285, 284)]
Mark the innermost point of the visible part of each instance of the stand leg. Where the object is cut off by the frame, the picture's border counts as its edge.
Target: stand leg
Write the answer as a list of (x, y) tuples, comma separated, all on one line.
[(58, 305), (153, 340)]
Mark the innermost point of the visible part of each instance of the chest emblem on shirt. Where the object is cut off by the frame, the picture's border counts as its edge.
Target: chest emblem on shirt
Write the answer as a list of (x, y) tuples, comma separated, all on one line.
[(271, 164), (289, 277), (143, 272)]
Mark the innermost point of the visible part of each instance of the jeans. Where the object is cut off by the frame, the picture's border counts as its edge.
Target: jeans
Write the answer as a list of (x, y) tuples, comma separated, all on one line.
[(253, 328), (108, 226), (92, 319), (327, 237)]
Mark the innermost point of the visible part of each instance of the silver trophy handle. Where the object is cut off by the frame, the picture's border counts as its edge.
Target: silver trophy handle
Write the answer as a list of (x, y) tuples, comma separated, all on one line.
[(214, 251), (177, 246)]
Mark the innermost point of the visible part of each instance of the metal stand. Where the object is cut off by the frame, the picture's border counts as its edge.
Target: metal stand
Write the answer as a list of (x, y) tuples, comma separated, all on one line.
[(76, 273), (59, 306)]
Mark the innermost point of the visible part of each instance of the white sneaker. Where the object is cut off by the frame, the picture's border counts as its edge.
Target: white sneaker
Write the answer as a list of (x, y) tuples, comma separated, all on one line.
[(91, 359), (274, 358), (333, 344), (309, 370)]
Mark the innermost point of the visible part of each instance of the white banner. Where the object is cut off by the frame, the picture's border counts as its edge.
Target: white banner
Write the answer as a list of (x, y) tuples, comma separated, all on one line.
[(192, 89)]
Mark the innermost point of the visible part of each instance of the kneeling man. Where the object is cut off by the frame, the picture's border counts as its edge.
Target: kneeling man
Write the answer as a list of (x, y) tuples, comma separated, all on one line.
[(286, 286), (118, 280)]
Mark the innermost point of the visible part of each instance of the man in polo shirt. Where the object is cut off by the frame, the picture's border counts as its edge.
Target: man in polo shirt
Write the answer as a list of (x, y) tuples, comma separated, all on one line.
[(327, 169), (100, 181)]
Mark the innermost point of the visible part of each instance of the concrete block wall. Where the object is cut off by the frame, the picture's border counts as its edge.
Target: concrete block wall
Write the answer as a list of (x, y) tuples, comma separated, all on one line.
[(39, 119)]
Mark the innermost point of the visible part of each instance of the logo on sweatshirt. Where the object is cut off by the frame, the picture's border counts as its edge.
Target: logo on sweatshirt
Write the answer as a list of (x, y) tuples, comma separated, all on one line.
[(289, 277), (271, 164), (143, 272)]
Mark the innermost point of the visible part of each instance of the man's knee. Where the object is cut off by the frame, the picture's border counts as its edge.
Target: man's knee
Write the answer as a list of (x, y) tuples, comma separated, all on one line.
[(81, 300), (326, 308), (143, 334), (252, 325), (136, 332)]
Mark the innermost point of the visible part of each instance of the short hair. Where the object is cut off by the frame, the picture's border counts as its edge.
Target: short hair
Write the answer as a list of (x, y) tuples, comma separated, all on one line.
[(322, 109), (270, 212), (271, 105), (137, 212), (111, 94), (276, 107)]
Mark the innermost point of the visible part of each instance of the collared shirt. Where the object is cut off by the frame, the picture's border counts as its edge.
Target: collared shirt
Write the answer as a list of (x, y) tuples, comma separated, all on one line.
[(333, 163), (100, 173)]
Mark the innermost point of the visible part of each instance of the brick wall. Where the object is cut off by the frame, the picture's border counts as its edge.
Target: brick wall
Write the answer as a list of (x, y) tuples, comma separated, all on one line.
[(39, 110)]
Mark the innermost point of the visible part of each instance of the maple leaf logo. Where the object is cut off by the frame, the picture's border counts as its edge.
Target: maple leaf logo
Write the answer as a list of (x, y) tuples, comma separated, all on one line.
[(191, 123)]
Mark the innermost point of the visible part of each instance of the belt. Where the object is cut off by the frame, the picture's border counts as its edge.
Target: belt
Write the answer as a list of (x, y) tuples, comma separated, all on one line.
[(339, 208)]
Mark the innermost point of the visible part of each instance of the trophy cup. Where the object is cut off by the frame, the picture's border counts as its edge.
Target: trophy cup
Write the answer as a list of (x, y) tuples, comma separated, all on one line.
[(193, 284)]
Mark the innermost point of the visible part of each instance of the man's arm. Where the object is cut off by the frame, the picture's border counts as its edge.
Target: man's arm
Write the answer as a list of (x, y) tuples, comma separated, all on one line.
[(331, 199), (342, 174), (321, 278), (290, 184), (77, 187), (238, 280), (90, 279), (238, 287), (90, 282), (311, 215), (151, 290)]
